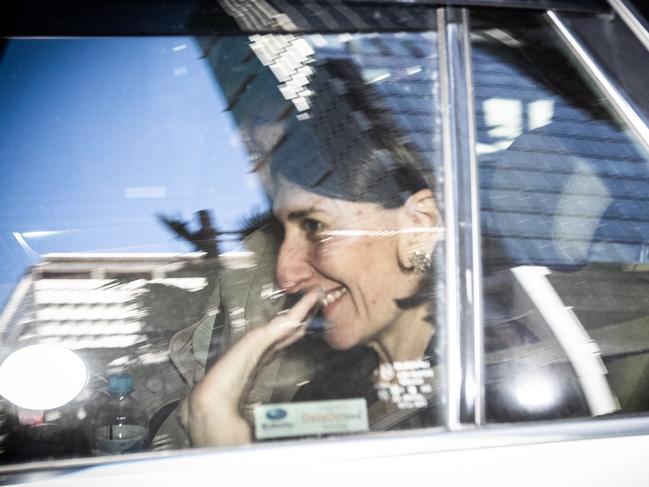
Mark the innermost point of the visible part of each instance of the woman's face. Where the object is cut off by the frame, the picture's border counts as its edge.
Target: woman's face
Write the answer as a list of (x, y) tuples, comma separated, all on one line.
[(350, 251)]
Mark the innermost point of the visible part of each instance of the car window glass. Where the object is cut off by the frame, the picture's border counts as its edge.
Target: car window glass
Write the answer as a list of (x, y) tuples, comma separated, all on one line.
[(564, 231), (163, 197)]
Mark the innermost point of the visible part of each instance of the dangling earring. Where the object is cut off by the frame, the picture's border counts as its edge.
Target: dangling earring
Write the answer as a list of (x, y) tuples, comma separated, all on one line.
[(420, 262)]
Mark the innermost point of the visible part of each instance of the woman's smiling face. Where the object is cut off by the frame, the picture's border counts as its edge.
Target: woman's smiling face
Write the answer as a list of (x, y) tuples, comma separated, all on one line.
[(350, 251)]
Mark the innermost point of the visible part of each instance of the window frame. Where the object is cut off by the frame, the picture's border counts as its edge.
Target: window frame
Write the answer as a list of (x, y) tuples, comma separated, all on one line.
[(473, 393), (464, 286)]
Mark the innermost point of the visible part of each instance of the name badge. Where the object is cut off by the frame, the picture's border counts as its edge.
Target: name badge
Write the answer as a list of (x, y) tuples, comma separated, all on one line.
[(294, 419)]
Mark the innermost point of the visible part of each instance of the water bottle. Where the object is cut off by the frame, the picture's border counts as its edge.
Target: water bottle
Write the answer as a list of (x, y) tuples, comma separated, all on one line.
[(121, 425)]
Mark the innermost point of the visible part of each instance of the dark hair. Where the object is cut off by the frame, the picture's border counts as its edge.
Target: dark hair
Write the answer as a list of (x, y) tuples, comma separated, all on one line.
[(346, 145)]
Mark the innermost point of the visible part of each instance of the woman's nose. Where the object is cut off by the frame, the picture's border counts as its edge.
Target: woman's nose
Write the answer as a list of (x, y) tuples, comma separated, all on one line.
[(293, 268)]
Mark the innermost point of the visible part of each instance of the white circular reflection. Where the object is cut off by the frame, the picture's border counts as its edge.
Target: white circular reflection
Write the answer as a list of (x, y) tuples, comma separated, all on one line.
[(42, 377), (538, 392)]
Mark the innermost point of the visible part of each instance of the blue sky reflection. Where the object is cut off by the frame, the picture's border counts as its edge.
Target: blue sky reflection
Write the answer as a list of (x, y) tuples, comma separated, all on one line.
[(99, 135)]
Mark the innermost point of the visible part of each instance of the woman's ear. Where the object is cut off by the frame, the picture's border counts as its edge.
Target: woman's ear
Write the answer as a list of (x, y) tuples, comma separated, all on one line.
[(420, 227)]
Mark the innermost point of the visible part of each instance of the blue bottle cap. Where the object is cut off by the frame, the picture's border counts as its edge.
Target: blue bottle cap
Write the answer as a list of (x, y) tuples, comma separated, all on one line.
[(120, 383)]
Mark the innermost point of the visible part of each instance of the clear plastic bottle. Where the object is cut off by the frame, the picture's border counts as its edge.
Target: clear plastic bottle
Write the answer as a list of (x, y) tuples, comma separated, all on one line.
[(121, 425)]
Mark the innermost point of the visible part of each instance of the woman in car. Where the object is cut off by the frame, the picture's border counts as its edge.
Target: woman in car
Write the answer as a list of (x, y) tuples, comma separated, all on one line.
[(360, 227)]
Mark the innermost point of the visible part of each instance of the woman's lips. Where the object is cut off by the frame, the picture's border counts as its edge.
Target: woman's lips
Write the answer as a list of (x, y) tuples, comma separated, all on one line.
[(332, 296)]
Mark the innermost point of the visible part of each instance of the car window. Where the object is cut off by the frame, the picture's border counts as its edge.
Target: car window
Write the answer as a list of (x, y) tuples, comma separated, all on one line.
[(564, 230), (163, 198)]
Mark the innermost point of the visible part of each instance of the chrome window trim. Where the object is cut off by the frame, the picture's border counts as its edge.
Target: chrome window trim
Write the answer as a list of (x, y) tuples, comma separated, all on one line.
[(630, 18), (446, 38), (463, 264), (474, 280), (618, 100)]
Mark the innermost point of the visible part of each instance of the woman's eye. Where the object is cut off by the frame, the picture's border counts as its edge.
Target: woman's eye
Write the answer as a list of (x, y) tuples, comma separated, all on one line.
[(312, 228)]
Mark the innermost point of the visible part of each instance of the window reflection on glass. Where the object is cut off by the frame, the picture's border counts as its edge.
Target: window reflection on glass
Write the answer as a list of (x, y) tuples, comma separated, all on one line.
[(173, 205), (564, 229)]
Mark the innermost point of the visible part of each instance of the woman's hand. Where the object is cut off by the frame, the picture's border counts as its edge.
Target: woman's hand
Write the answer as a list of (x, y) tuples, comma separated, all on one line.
[(210, 414)]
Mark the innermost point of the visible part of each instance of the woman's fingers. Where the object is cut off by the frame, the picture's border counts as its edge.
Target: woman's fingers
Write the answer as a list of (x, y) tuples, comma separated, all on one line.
[(285, 342), (306, 305), (211, 412), (288, 327), (236, 366)]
